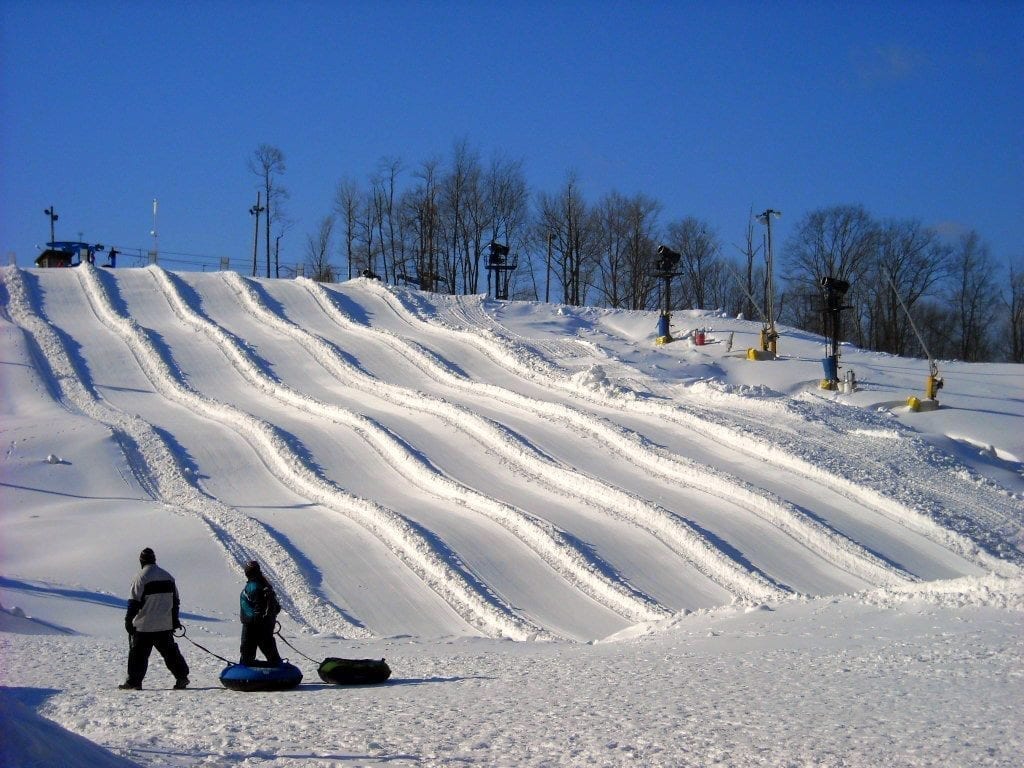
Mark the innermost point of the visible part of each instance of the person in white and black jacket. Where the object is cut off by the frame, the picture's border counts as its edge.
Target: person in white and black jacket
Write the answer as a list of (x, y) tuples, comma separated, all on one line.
[(150, 621)]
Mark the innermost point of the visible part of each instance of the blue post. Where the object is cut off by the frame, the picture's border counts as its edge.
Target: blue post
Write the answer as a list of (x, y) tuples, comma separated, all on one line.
[(831, 366), (663, 321)]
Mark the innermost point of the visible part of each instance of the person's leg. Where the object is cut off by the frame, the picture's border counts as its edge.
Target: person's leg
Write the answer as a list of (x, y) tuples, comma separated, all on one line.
[(247, 650), (138, 657), (267, 643), (175, 662)]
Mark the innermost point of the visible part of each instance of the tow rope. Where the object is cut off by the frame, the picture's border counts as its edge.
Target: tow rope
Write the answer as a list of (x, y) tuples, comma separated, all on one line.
[(277, 631), (184, 634)]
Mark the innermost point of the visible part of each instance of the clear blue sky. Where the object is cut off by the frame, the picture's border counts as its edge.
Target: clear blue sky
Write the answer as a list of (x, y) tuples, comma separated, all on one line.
[(915, 110)]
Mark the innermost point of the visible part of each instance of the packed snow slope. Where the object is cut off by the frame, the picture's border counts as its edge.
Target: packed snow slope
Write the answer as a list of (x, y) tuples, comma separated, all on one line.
[(727, 564), (412, 464)]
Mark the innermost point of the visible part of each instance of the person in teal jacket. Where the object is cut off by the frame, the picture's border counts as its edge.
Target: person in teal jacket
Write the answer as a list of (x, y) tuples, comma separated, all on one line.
[(258, 609)]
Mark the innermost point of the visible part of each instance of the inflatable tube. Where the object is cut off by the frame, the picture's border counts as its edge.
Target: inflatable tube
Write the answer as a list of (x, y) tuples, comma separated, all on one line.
[(261, 676), (354, 671)]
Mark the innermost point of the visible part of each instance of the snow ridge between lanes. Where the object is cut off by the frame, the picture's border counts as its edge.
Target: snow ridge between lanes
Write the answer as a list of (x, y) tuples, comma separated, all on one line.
[(758, 441), (160, 474), (674, 531), (427, 558), (545, 539), (815, 536)]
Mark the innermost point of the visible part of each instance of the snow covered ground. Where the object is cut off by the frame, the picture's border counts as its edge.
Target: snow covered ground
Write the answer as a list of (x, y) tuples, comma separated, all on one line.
[(572, 546)]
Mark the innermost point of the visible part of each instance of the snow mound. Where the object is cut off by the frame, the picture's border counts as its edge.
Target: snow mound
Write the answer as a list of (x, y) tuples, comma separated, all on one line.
[(594, 379), (990, 591), (32, 741)]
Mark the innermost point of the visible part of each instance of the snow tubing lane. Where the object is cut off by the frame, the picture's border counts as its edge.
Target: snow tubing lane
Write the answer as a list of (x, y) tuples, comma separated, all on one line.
[(353, 671), (261, 676)]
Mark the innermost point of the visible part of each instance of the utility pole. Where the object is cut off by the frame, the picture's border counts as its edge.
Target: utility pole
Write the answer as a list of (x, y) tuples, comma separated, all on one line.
[(53, 217), (277, 255), (256, 210), (547, 279), (769, 336), (153, 255)]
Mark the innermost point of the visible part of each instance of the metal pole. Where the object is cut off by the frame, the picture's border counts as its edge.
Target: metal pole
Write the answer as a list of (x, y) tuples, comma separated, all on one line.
[(255, 211), (154, 233), (53, 217), (547, 281), (769, 298)]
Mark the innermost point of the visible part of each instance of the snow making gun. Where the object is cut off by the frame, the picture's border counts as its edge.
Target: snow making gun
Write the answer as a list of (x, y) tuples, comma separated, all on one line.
[(934, 382)]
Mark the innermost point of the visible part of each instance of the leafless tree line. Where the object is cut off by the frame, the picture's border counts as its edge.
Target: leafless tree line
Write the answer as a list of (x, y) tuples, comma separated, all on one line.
[(953, 291), (429, 226)]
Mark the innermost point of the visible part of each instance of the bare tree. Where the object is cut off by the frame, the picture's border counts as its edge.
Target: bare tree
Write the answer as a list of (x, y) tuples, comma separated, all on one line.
[(837, 242), (283, 225), (612, 233), (506, 210), (386, 216), (698, 244), (318, 251), (419, 213), (626, 230), (1015, 318), (749, 252), (347, 200), (909, 263), (267, 162), (566, 217), (973, 296)]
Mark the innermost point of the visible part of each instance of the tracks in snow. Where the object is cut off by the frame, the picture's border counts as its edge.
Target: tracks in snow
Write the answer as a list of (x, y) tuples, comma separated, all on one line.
[(676, 533), (633, 448), (558, 550), (160, 474), (931, 511), (427, 557)]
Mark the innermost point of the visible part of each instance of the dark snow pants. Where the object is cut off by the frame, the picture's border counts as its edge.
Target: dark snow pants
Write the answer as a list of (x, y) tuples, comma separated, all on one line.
[(143, 643), (259, 634)]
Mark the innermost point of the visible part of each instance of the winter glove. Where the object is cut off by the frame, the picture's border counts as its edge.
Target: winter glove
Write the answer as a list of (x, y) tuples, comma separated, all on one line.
[(128, 626), (177, 624)]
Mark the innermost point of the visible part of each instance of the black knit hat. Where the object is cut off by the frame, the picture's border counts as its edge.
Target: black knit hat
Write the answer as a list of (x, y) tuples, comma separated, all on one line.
[(147, 557), (252, 569)]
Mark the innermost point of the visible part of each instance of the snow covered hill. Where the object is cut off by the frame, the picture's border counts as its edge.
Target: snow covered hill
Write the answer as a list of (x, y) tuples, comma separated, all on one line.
[(435, 470)]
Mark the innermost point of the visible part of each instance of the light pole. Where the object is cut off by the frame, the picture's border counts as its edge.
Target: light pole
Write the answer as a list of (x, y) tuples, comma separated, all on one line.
[(769, 337), (52, 215), (256, 210), (153, 255), (547, 278), (277, 255)]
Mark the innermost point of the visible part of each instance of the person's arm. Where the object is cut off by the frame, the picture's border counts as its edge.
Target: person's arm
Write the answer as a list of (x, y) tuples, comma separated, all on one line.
[(134, 604), (176, 623)]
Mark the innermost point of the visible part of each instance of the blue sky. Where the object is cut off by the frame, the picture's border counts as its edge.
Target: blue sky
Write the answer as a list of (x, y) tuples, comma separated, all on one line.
[(914, 110)]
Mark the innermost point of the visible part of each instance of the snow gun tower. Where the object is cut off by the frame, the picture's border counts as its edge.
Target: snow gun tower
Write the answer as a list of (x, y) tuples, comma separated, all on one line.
[(933, 383), (769, 336), (499, 267), (833, 289), (666, 266)]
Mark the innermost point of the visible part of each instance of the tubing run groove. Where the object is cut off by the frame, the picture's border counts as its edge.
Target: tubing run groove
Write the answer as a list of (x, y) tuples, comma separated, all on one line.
[(428, 559), (546, 540), (160, 474)]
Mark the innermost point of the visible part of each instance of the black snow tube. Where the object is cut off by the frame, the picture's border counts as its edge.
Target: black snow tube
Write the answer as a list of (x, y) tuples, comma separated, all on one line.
[(354, 671), (261, 676)]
